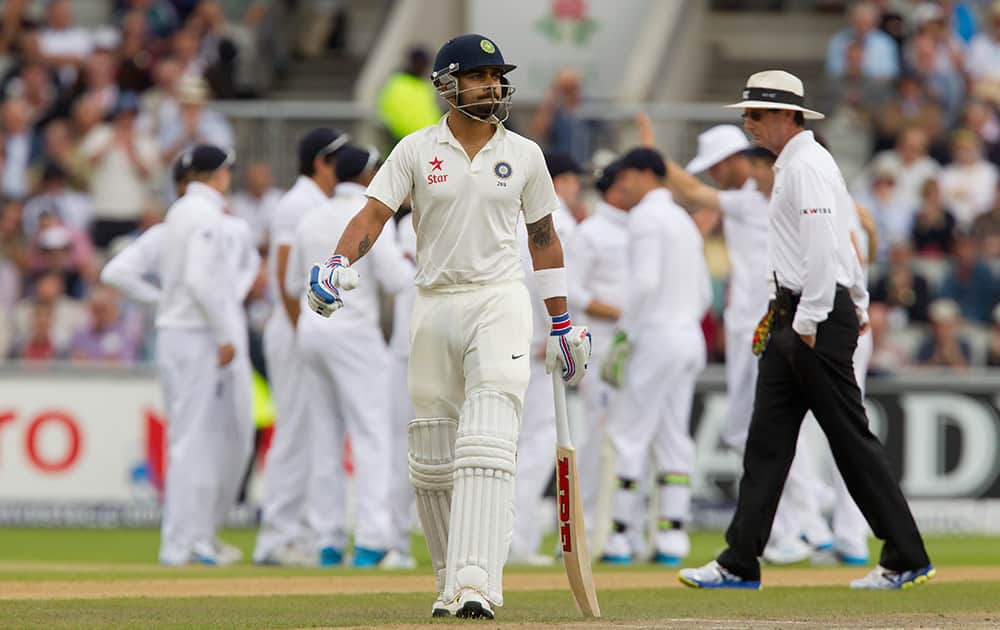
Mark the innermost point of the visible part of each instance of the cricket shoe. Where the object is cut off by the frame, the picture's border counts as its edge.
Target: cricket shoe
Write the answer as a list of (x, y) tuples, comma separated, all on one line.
[(365, 558), (617, 550), (472, 605), (789, 550), (227, 554), (714, 575), (205, 554), (330, 556), (881, 578), (396, 559), (441, 608), (291, 555), (672, 546)]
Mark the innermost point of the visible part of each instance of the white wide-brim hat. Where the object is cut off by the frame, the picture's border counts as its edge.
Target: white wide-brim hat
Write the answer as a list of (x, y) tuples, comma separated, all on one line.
[(715, 145), (775, 89)]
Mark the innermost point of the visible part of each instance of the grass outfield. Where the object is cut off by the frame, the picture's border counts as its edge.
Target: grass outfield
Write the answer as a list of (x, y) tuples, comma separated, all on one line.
[(60, 561)]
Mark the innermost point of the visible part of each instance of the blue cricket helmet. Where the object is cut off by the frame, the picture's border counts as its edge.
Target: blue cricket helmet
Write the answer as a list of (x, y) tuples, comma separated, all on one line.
[(463, 54)]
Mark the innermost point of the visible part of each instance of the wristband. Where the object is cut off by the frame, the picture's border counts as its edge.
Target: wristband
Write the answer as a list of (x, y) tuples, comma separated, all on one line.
[(560, 325), (551, 282)]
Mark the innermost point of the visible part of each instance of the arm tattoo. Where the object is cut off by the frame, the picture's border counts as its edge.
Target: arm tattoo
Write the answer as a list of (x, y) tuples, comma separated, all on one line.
[(364, 246), (540, 232)]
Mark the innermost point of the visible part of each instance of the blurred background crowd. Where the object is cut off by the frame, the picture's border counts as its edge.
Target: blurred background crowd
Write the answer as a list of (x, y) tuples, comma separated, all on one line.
[(95, 110)]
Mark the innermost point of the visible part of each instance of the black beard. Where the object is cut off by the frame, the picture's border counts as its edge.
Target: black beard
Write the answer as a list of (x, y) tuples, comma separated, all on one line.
[(480, 109)]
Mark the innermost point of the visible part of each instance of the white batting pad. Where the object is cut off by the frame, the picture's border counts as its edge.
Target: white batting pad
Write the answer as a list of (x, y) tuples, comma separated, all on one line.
[(432, 470), (482, 516)]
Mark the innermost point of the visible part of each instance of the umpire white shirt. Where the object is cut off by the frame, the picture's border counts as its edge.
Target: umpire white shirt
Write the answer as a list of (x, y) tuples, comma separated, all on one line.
[(465, 212), (303, 196), (669, 283), (809, 246), (193, 259), (744, 223)]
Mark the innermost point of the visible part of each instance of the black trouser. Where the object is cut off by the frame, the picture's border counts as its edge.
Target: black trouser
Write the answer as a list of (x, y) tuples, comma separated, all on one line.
[(792, 379)]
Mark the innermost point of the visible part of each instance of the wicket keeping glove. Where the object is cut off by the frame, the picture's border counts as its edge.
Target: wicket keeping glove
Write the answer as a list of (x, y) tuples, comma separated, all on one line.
[(613, 368), (326, 281), (568, 349)]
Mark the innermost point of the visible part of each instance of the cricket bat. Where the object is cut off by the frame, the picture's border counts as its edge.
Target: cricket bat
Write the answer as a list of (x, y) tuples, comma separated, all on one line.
[(572, 535)]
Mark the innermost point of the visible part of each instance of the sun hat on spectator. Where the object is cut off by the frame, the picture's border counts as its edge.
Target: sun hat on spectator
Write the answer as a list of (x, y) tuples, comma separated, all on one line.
[(944, 310), (54, 237), (715, 145), (192, 90)]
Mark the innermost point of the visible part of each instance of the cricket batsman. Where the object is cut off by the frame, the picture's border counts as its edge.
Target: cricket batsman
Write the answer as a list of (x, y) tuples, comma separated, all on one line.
[(470, 335)]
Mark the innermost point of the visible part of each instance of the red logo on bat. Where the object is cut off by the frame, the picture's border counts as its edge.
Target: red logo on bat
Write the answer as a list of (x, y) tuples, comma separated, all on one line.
[(562, 483)]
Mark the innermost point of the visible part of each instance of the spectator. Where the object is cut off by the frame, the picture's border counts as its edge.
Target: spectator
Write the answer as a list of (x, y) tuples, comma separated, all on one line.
[(893, 220), (961, 20), (63, 317), (932, 22), (853, 88), (227, 51), (17, 148), (196, 124), (408, 100), (98, 81), (936, 71), (59, 149), (124, 166), (945, 347), (981, 119), (40, 344), (255, 204), (970, 282), (136, 54), (983, 59), (74, 209), (934, 225), (13, 19), (159, 17), (901, 289), (184, 46), (887, 357), (910, 107), (159, 103), (40, 89), (968, 184), (881, 55), (911, 164), (557, 121), (63, 44), (63, 250), (986, 230), (13, 264), (106, 335), (993, 354)]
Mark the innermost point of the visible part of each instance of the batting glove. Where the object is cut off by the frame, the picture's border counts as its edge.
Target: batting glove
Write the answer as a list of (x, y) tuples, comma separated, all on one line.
[(325, 283), (568, 349), (613, 367)]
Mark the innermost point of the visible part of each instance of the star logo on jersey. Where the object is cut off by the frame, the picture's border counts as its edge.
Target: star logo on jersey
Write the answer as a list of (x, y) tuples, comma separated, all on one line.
[(436, 164)]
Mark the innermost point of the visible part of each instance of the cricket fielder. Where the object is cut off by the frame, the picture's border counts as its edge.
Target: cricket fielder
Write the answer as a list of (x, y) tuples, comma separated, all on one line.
[(134, 271), (351, 382), (288, 469), (470, 180)]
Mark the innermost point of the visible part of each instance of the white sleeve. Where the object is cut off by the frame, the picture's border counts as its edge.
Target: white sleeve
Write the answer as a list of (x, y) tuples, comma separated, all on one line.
[(581, 258), (205, 253), (393, 272), (644, 264), (745, 206), (538, 197), (248, 266), (297, 271), (394, 180), (128, 270), (816, 202)]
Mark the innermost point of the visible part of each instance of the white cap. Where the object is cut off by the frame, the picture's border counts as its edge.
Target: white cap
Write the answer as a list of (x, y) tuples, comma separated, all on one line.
[(943, 310), (715, 145), (54, 237), (775, 89)]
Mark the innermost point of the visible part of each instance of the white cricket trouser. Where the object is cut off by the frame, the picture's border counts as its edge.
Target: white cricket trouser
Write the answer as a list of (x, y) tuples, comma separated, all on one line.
[(288, 465), (469, 362), (741, 382), (400, 489), (588, 437), (850, 529), (193, 386), (237, 387), (536, 448), (347, 365), (653, 409)]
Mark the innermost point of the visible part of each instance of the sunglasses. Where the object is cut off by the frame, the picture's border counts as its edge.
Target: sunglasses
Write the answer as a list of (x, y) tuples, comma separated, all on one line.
[(756, 115)]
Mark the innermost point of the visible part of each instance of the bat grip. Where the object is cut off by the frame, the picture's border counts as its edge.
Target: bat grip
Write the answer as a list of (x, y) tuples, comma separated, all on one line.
[(562, 417)]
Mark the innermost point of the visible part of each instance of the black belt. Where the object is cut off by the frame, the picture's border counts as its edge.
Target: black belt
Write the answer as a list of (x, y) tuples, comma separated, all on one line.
[(786, 302)]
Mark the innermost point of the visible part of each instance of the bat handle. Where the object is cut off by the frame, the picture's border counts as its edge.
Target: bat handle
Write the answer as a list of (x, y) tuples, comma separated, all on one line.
[(562, 417)]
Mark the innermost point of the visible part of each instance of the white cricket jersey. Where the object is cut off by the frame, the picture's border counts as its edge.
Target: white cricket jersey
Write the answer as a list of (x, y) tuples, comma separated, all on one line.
[(303, 196), (317, 235), (668, 283), (465, 213), (402, 307), (191, 263), (597, 268), (744, 223), (808, 244)]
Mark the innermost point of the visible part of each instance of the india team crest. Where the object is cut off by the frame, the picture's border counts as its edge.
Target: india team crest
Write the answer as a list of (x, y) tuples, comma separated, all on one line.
[(502, 170)]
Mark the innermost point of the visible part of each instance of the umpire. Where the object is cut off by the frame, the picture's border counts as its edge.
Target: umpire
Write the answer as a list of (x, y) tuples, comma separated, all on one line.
[(820, 307)]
